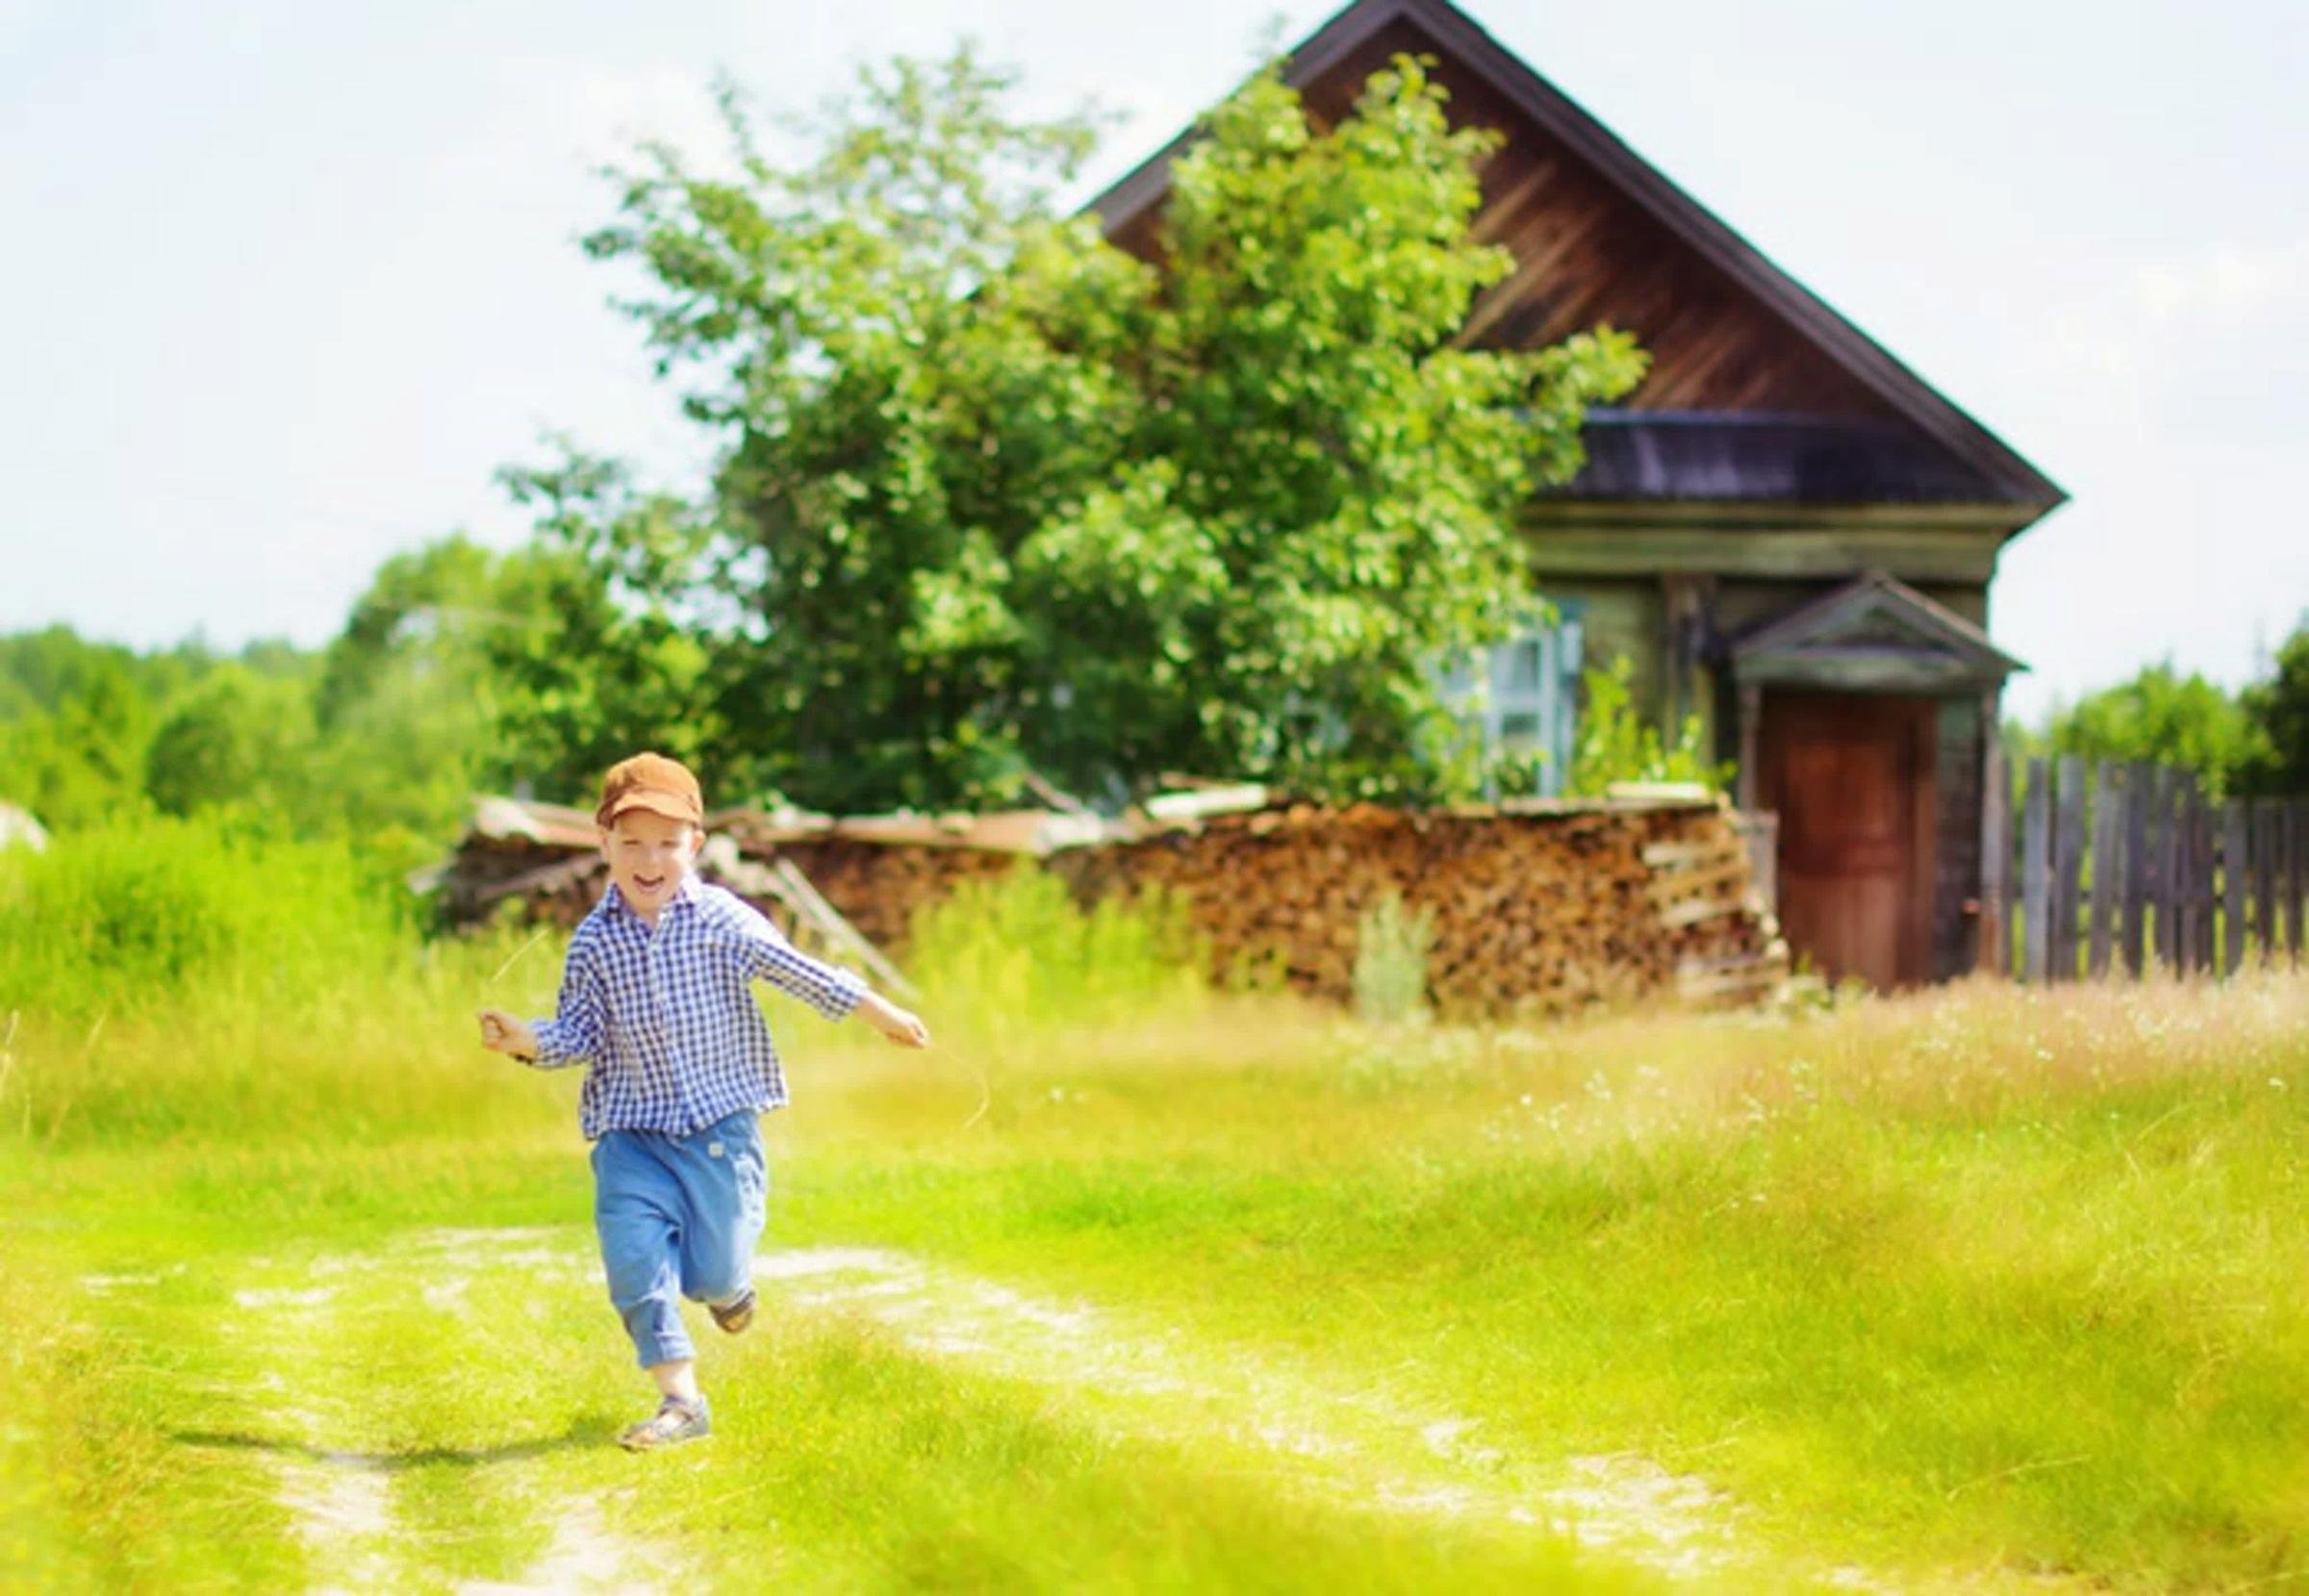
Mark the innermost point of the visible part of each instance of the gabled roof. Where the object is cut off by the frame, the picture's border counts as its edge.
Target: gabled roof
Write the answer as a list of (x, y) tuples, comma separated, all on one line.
[(1771, 457), (1874, 630), (1999, 473)]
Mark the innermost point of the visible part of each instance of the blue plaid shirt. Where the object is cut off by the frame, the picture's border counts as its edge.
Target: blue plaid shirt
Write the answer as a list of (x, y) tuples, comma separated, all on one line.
[(668, 1020)]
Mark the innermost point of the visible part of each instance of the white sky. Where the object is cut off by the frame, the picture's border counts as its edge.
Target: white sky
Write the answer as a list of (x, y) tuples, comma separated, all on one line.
[(283, 284)]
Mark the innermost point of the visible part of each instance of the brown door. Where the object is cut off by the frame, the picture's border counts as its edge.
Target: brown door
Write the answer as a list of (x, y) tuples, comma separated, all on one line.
[(1851, 777)]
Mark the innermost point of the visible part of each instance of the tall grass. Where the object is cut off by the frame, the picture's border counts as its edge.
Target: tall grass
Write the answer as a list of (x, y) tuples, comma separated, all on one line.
[(132, 917), (160, 976), (1986, 1280), (1390, 962), (1015, 954)]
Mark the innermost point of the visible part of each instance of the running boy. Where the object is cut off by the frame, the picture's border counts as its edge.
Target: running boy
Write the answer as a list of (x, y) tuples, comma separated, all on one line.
[(655, 999)]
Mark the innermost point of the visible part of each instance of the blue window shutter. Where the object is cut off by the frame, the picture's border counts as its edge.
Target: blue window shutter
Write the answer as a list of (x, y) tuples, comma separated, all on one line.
[(1569, 638)]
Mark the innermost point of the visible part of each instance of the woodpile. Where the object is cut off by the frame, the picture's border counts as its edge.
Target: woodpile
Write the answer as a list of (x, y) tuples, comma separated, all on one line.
[(1544, 910), (543, 862), (1539, 907), (881, 886)]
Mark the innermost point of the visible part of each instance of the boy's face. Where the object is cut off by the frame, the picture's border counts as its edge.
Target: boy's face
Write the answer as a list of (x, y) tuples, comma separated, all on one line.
[(648, 855)]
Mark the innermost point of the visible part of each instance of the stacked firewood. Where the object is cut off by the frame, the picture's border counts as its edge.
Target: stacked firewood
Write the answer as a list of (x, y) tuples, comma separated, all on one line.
[(543, 858), (1537, 912), (879, 887), (1543, 908)]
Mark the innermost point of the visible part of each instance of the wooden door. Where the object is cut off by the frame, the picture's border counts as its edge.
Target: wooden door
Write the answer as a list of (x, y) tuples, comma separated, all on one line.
[(1851, 777)]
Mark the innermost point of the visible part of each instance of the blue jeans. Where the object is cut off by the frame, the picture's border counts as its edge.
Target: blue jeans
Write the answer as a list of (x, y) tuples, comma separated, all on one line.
[(679, 1217)]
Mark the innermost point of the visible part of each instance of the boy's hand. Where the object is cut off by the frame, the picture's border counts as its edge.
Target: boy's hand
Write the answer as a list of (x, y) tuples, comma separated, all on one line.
[(905, 1030), (502, 1032)]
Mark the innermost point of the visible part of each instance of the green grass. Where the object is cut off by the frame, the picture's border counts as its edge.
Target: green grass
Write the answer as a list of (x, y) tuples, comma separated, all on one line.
[(1960, 1290)]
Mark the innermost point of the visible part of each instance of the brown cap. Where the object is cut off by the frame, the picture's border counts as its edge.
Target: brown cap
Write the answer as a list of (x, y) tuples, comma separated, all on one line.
[(653, 782)]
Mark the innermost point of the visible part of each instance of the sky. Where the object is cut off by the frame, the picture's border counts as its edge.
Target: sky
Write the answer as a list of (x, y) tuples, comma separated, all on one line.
[(284, 285)]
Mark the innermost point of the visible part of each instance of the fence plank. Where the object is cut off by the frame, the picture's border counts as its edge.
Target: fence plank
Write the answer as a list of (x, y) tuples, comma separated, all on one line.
[(2163, 836), (2287, 871), (2184, 803), (2067, 864), (2108, 814), (2184, 875), (2137, 783), (2202, 953), (2264, 877), (2295, 874), (1992, 952), (2234, 818), (2036, 849)]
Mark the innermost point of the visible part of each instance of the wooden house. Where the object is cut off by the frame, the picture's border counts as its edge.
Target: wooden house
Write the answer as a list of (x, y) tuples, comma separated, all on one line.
[(1786, 531)]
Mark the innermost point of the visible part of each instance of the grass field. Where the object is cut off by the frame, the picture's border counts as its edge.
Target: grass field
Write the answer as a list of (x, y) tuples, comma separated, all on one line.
[(1129, 1285)]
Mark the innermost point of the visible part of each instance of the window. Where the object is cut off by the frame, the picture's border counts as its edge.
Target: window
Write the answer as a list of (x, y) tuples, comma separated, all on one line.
[(1532, 687)]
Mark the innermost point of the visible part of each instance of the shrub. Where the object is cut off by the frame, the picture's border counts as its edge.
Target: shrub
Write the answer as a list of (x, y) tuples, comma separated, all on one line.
[(120, 917), (1616, 742), (1390, 962), (1016, 952)]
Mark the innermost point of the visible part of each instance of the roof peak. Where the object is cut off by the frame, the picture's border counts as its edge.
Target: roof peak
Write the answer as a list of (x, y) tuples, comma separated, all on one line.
[(1466, 44)]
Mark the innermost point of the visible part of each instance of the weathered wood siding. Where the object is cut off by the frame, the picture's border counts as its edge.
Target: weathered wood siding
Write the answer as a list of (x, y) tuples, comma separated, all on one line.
[(1585, 253), (1956, 851)]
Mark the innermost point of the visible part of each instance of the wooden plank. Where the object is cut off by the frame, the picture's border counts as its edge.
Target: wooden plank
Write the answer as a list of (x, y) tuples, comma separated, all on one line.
[(1673, 887), (2067, 864), (2134, 929), (2186, 935), (829, 923), (2163, 789), (1992, 949), (2264, 877), (1691, 914), (1760, 830), (2177, 872), (2184, 801), (2036, 872), (2287, 871), (2009, 945), (2108, 814), (2295, 874), (2203, 951), (1691, 856), (2234, 819), (1913, 556)]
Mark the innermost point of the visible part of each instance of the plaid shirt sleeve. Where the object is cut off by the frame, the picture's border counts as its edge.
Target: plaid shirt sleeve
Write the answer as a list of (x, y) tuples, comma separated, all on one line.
[(767, 956), (579, 1029)]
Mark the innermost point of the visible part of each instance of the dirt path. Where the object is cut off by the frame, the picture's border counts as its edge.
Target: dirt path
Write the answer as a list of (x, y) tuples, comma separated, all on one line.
[(342, 1499), (1348, 1447), (1345, 1446)]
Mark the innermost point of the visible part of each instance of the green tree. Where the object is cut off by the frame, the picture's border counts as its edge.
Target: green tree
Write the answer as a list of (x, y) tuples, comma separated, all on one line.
[(2159, 716), (2277, 710), (994, 494), (239, 736), (1616, 742), (76, 720), (407, 701), (603, 635)]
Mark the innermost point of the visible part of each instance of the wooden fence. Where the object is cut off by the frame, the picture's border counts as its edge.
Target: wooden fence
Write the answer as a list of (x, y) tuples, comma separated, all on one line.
[(2111, 869)]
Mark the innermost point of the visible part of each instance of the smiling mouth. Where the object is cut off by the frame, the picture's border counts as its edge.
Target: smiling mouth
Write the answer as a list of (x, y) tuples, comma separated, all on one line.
[(649, 883)]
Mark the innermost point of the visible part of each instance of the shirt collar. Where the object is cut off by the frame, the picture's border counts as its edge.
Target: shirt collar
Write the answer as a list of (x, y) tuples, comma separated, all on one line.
[(684, 895)]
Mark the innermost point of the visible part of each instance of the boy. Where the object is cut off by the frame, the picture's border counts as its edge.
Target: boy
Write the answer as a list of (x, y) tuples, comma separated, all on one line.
[(655, 999)]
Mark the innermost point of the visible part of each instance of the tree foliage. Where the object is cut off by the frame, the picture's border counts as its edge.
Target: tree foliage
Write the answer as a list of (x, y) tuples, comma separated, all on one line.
[(2278, 709), (1616, 742), (995, 496), (2162, 717)]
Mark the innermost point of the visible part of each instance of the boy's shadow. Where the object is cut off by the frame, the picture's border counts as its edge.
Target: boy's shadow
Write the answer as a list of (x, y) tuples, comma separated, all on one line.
[(587, 1432)]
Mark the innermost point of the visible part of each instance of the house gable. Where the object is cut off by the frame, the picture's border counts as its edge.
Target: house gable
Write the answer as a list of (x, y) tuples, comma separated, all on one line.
[(1600, 236), (1873, 634)]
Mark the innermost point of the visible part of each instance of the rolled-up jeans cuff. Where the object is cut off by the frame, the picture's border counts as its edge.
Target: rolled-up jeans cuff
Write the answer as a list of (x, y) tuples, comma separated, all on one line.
[(653, 1349)]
